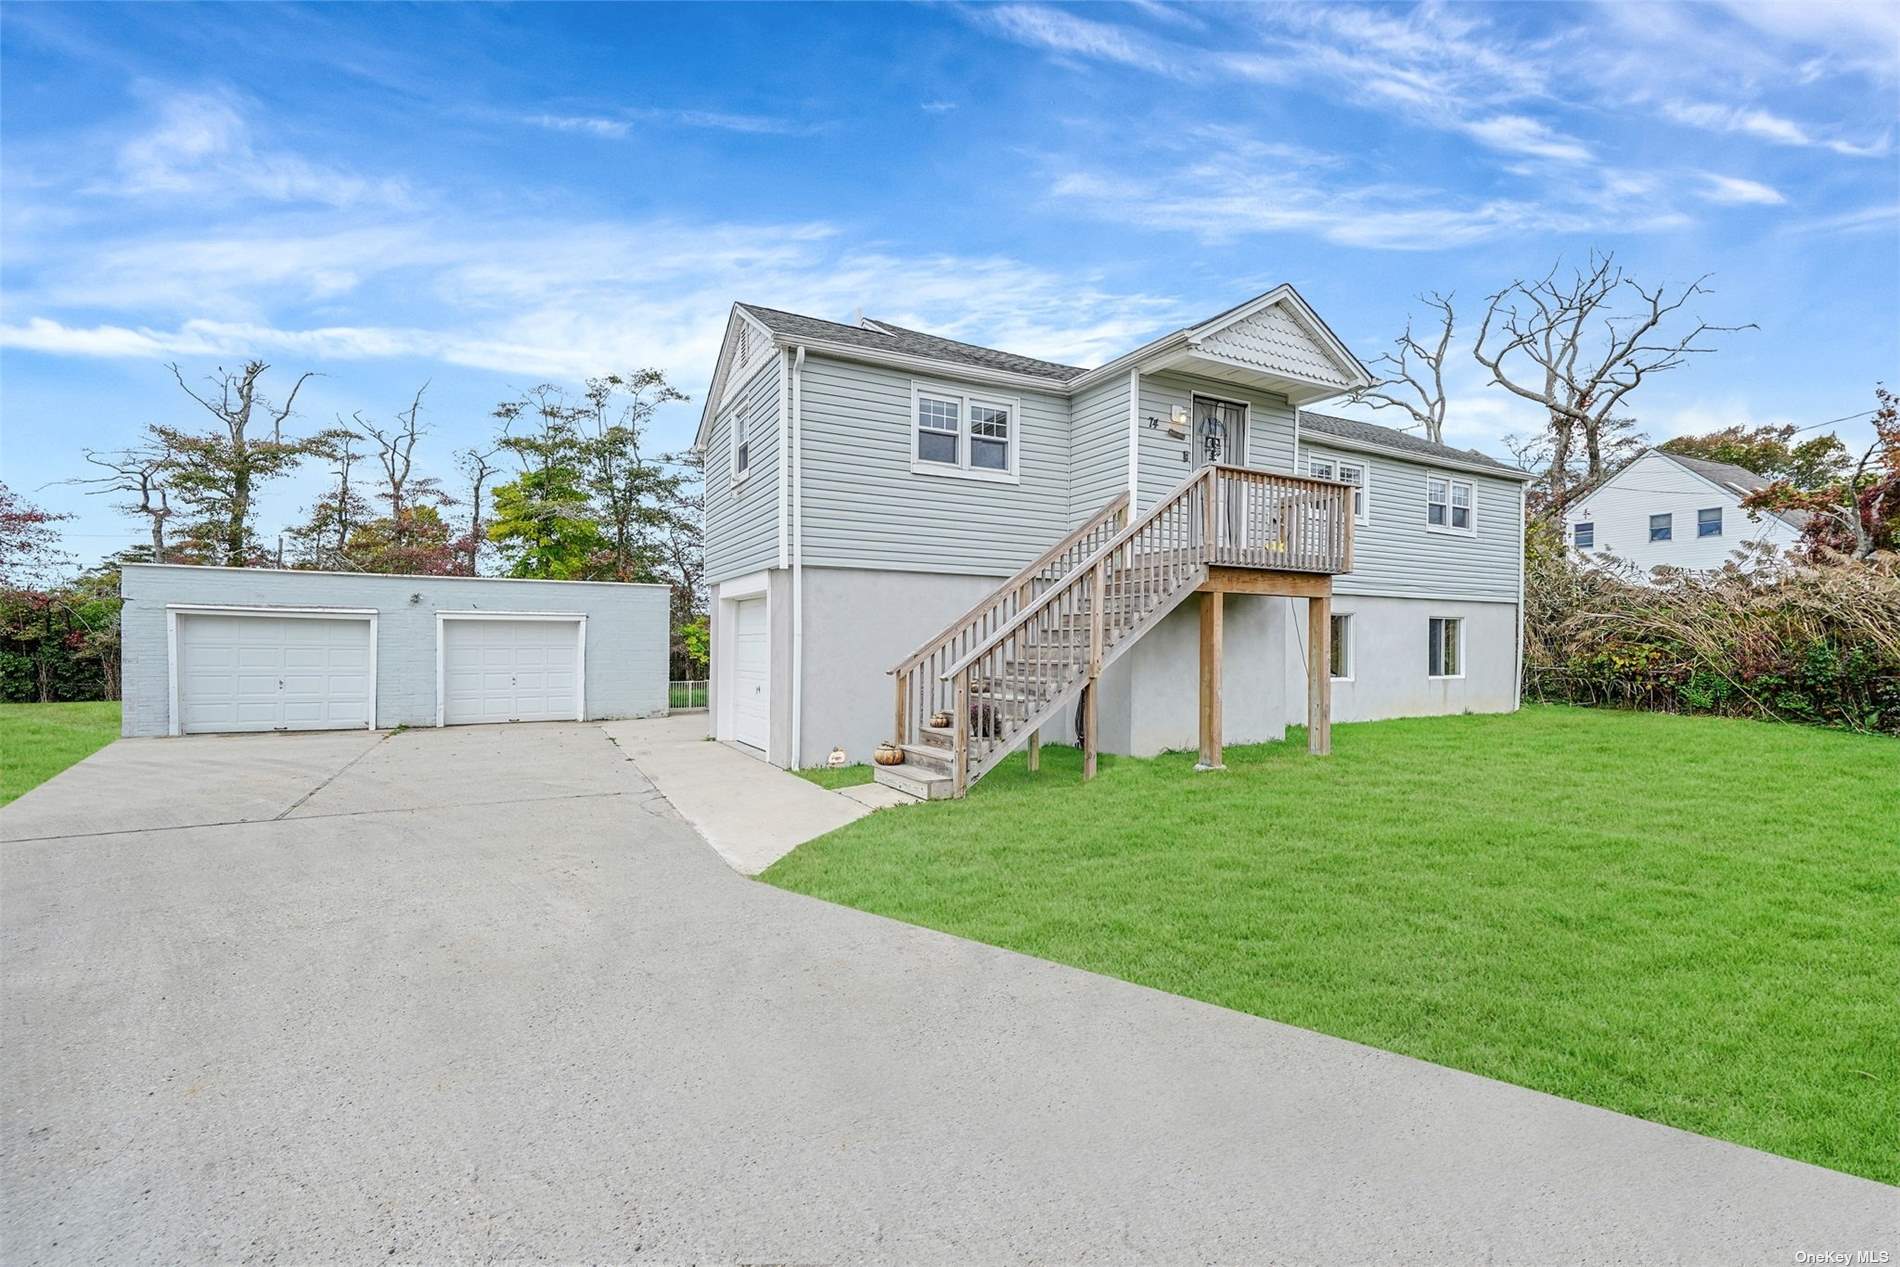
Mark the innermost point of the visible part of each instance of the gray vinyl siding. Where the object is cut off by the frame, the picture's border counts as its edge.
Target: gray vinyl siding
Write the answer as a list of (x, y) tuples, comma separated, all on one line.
[(627, 631), (1395, 555), (1098, 446), (742, 520), (865, 508), (1269, 444)]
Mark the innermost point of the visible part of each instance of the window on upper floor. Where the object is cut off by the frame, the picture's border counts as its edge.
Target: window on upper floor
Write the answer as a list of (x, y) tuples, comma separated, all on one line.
[(1444, 647), (968, 434), (741, 441), (1661, 527), (1449, 505), (1358, 474), (1708, 523), (1586, 535)]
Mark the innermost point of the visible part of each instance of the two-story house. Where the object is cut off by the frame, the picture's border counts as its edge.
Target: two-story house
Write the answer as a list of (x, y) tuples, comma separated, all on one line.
[(963, 549), (1666, 510)]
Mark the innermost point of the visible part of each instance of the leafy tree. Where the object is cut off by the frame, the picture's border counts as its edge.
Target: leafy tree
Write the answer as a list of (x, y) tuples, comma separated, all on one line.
[(216, 474), (29, 544), (1771, 452), (1858, 513), (322, 539), (637, 499), (544, 527), (419, 542)]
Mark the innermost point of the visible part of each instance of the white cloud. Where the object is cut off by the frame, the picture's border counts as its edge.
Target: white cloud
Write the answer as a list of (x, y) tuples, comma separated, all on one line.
[(612, 129), (1063, 32), (1516, 134), (937, 107), (1766, 126), (1734, 191), (201, 147)]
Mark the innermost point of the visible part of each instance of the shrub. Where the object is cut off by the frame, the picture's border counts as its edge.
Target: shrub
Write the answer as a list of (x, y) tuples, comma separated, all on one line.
[(1804, 641)]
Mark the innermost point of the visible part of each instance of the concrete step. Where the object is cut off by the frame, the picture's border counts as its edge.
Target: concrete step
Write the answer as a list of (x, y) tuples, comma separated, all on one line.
[(924, 787), (928, 760)]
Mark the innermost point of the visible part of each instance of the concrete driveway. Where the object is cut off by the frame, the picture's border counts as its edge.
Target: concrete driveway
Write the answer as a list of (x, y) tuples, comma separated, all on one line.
[(480, 994)]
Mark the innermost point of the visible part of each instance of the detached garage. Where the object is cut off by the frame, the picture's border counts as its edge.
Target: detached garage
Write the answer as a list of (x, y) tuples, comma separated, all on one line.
[(214, 650)]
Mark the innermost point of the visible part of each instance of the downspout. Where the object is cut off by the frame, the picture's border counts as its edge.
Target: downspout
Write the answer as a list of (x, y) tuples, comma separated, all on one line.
[(797, 458), (1517, 683)]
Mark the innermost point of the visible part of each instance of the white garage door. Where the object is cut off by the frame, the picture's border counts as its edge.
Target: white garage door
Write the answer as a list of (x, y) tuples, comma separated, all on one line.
[(751, 673), (496, 670), (240, 672)]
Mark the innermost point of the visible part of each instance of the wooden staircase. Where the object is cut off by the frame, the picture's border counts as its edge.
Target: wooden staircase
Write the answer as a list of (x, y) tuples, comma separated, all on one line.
[(1042, 638)]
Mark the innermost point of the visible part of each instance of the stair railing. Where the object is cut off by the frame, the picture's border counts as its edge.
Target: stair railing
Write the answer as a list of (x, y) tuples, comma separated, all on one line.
[(920, 686), (1007, 683)]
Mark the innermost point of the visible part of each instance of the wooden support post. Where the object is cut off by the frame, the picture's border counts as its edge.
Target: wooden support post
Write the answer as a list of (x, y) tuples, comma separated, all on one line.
[(960, 752), (1091, 709), (1319, 675), (1035, 750), (901, 735), (1210, 514), (1211, 621)]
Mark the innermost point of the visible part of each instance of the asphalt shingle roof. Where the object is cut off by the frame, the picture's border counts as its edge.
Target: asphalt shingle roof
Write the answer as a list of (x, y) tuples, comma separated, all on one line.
[(1738, 480), (882, 336), (1386, 437)]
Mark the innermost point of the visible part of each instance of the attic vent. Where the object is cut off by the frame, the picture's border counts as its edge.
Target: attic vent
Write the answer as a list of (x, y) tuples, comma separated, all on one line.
[(744, 352)]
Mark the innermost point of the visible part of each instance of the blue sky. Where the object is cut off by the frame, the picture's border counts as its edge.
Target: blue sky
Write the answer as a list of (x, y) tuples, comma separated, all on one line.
[(489, 197)]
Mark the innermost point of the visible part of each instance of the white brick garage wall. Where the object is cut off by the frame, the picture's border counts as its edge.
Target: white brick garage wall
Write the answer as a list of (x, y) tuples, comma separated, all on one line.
[(626, 652)]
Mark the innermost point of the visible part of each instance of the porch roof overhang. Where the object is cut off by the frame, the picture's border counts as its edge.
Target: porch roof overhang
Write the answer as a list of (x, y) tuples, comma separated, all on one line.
[(1191, 358)]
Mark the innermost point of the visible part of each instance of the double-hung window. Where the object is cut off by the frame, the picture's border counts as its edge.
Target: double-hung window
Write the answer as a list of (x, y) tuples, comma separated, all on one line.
[(1444, 647), (1661, 527), (1708, 523), (1355, 473), (1341, 670), (741, 441), (1449, 505), (1586, 534), (963, 433)]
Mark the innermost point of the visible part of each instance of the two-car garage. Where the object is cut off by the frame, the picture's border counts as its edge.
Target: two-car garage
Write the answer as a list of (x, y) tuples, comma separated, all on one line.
[(211, 650)]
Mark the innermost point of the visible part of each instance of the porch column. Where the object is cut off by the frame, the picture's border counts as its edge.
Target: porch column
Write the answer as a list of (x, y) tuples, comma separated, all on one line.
[(1319, 675), (1211, 621)]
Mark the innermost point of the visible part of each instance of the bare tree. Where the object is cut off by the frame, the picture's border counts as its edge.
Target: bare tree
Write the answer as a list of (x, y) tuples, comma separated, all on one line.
[(396, 451), (1412, 376), (478, 468), (323, 539), (139, 473), (1570, 348), (217, 474)]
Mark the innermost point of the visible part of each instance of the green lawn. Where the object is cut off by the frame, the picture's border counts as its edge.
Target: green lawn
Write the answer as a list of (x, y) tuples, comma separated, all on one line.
[(843, 776), (37, 741), (1692, 920)]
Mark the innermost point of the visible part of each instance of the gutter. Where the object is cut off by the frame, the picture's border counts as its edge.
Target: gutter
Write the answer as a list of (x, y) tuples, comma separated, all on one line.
[(796, 459)]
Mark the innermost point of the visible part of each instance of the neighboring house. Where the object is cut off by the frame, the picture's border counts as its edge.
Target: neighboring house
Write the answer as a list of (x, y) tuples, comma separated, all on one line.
[(867, 483), (213, 649), (1667, 510)]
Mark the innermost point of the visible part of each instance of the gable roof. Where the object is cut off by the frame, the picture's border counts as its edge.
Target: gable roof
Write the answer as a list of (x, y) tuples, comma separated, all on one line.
[(1738, 480), (1371, 435), (882, 336)]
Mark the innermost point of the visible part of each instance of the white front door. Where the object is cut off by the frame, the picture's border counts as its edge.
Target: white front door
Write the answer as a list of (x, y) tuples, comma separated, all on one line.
[(243, 673), (751, 680), (501, 670)]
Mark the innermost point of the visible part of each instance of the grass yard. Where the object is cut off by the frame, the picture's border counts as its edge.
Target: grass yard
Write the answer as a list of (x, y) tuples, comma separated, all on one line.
[(37, 741), (1692, 920), (843, 776)]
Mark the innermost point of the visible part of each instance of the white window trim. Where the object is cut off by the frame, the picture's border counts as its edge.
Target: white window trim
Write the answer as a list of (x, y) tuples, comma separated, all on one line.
[(740, 475), (1721, 523), (1363, 515), (175, 724), (442, 618), (1348, 623), (1459, 623), (962, 470), (1591, 524), (1650, 531), (1446, 528)]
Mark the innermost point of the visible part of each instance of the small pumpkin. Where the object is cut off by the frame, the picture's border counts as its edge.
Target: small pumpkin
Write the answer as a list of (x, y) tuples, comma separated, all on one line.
[(888, 753), (940, 718)]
